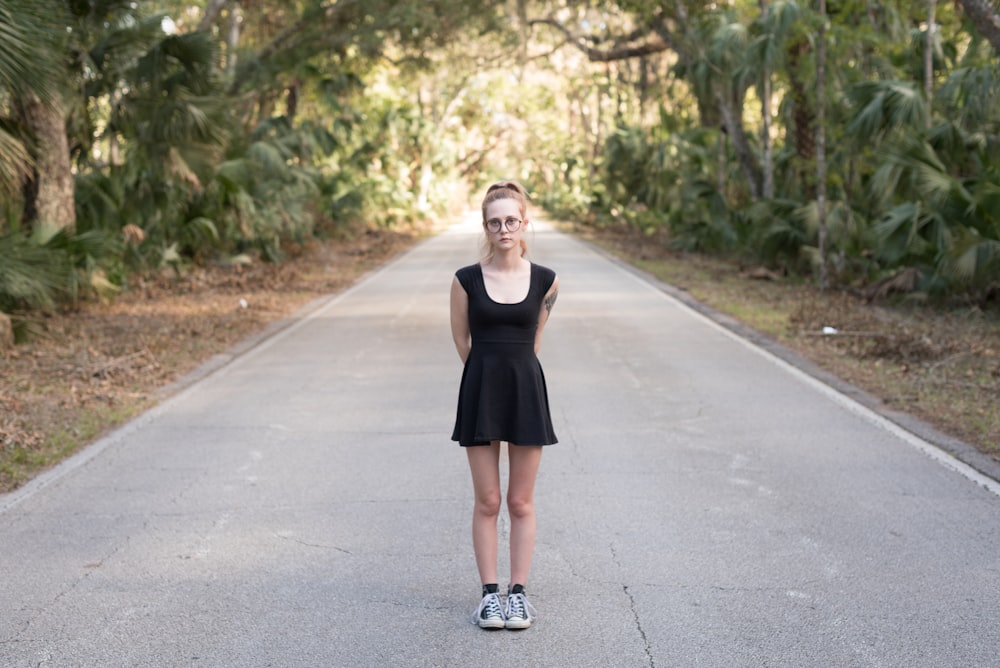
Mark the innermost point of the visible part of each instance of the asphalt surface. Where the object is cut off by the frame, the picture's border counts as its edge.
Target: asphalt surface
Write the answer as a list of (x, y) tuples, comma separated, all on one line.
[(301, 504)]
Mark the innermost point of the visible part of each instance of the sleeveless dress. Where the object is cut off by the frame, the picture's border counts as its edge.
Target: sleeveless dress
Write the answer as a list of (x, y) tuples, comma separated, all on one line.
[(503, 395)]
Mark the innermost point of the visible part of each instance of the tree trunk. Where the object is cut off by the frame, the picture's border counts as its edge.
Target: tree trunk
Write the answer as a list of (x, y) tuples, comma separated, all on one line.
[(821, 142), (803, 118), (54, 204), (233, 38), (765, 112), (292, 100), (929, 60), (595, 154), (733, 121), (986, 19), (720, 158)]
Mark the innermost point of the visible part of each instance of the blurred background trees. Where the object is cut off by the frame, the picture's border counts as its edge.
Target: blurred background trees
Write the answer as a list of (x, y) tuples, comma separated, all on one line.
[(887, 158), (138, 135)]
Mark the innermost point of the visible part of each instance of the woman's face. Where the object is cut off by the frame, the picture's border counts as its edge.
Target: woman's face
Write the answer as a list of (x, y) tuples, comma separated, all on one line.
[(504, 210)]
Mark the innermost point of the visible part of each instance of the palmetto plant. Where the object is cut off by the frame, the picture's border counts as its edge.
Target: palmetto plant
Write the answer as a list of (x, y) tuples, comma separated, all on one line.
[(887, 107), (937, 188), (264, 194), (950, 225), (174, 125), (31, 275), (28, 66)]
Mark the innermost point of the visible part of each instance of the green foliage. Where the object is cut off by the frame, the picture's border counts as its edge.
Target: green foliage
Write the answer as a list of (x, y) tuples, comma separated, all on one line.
[(949, 225), (350, 113), (779, 230), (703, 222), (667, 179), (260, 196), (886, 106), (32, 275), (28, 36), (911, 181)]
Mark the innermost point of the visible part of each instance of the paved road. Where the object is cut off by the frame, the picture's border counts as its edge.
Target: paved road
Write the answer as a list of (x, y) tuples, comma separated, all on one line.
[(302, 506)]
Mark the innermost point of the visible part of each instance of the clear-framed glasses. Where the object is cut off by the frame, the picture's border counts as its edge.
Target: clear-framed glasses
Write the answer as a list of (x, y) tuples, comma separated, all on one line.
[(511, 223)]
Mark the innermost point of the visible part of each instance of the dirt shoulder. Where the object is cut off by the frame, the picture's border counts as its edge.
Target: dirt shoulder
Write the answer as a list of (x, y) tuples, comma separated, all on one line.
[(91, 369), (935, 371)]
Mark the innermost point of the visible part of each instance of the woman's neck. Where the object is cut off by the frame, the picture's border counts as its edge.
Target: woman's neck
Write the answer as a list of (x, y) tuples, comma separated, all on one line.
[(507, 260)]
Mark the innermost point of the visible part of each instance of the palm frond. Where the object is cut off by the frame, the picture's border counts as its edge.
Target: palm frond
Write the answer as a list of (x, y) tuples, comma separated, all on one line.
[(773, 27), (931, 178), (15, 164), (971, 95), (777, 228), (986, 204), (99, 201), (896, 233), (269, 156), (235, 175), (884, 107), (31, 275), (885, 182), (30, 57), (974, 260)]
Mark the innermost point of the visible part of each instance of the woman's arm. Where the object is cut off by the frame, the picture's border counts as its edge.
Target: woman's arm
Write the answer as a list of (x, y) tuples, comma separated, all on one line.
[(460, 319), (543, 316)]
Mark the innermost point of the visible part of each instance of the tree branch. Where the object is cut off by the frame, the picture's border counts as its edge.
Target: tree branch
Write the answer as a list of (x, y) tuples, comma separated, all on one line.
[(657, 45), (327, 14)]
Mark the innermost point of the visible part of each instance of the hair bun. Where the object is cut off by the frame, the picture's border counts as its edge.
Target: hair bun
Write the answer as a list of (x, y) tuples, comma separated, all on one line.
[(508, 185)]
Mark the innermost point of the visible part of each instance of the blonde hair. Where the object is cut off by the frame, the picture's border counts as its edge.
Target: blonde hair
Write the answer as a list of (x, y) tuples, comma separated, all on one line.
[(505, 190)]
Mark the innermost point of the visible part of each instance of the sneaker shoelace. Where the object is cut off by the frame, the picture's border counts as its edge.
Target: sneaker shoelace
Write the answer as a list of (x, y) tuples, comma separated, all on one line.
[(489, 607), (519, 608)]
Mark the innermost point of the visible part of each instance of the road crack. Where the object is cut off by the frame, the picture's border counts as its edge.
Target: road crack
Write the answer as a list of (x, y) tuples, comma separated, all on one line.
[(638, 626), (308, 544), (635, 613)]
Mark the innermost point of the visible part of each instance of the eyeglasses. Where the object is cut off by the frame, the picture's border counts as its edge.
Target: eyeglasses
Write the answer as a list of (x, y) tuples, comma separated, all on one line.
[(493, 224)]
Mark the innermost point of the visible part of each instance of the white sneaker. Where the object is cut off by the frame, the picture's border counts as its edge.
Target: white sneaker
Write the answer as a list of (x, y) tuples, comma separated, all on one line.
[(489, 614), (519, 613)]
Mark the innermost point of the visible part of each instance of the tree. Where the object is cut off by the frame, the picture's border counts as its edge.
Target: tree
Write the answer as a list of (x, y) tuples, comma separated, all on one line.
[(36, 159), (821, 143), (765, 112), (765, 58), (986, 19), (929, 57), (683, 29)]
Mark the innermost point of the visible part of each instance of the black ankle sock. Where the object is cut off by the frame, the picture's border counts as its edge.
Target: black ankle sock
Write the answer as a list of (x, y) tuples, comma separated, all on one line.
[(490, 589), (517, 589)]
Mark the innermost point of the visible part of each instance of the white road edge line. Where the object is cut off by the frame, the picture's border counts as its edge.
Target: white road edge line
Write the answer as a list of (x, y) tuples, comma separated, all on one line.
[(929, 449)]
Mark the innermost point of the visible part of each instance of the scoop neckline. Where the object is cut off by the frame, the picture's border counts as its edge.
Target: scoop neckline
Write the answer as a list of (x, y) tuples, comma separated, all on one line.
[(482, 277)]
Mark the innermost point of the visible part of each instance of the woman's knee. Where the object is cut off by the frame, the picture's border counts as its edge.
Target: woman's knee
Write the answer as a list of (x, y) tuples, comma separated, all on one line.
[(520, 506), (488, 503)]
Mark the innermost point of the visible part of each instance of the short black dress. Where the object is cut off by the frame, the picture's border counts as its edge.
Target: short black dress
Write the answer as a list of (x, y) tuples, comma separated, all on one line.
[(503, 395)]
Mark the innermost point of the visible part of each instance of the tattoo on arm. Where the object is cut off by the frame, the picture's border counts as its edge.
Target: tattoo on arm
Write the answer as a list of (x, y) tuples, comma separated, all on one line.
[(550, 301)]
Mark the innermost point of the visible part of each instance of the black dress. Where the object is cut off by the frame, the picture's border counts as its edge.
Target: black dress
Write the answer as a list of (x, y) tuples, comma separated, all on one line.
[(503, 395)]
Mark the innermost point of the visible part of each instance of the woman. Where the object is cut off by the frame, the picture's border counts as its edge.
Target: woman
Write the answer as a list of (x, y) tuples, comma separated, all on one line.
[(499, 307)]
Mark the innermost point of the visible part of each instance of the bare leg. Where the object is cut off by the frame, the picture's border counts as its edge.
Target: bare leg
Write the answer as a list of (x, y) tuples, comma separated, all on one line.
[(524, 462), (484, 463)]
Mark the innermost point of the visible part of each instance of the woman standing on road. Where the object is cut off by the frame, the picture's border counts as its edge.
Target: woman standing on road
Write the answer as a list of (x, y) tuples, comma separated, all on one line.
[(499, 307)]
